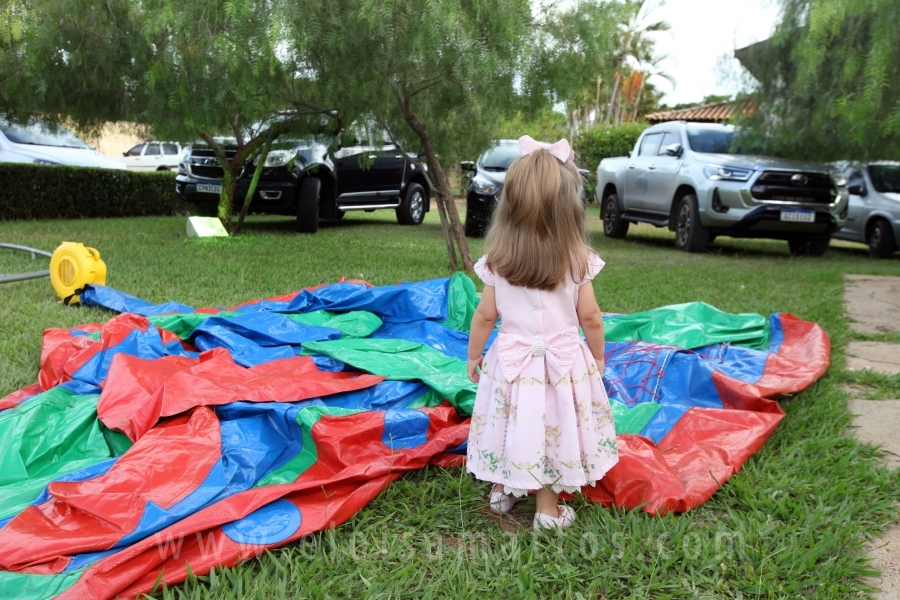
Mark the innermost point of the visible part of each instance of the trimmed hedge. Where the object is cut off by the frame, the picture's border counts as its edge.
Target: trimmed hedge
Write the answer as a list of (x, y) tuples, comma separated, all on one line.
[(594, 145), (50, 192)]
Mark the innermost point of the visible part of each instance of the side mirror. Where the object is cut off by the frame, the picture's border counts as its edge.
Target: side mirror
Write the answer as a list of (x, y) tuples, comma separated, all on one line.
[(857, 189), (467, 165), (674, 150), (124, 154), (628, 154)]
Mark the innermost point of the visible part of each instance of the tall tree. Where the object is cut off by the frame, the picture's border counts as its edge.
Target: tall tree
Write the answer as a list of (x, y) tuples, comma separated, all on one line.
[(828, 83), (436, 76)]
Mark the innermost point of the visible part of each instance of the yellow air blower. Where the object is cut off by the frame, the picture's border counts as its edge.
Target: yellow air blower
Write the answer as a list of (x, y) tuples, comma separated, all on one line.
[(72, 266)]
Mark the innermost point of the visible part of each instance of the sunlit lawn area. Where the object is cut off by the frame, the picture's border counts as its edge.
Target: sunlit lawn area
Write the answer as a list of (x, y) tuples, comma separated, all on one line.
[(792, 523)]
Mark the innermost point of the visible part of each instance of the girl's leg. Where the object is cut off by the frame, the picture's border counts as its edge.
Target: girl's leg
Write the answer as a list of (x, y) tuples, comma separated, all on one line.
[(547, 502)]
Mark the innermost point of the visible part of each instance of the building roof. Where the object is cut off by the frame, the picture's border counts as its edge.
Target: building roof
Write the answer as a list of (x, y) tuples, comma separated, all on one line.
[(719, 112)]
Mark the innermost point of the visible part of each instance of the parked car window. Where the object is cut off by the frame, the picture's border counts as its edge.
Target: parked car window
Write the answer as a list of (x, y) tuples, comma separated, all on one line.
[(136, 150), (885, 178), (39, 134), (152, 150), (500, 157), (668, 139), (170, 149), (712, 141), (650, 144)]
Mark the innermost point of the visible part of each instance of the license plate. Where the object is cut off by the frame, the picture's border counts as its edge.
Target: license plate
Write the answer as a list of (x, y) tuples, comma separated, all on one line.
[(798, 216), (209, 188)]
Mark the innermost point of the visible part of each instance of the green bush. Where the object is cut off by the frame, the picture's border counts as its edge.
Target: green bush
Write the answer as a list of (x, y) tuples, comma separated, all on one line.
[(594, 145), (47, 192)]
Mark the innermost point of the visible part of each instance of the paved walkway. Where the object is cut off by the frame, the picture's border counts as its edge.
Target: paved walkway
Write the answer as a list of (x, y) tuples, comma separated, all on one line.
[(873, 303)]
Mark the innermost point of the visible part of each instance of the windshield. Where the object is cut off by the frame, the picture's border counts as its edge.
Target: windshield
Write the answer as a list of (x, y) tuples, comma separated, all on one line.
[(499, 158), (712, 141), (885, 178), (39, 134)]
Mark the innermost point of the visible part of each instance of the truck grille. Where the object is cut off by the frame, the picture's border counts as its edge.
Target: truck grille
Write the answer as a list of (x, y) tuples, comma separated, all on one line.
[(794, 186), (205, 163)]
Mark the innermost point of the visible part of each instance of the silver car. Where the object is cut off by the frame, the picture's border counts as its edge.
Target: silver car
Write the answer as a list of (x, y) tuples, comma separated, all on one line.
[(873, 216)]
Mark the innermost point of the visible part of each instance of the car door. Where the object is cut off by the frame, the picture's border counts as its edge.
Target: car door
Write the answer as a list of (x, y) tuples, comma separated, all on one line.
[(857, 209), (636, 181), (152, 157), (132, 157), (369, 175), (662, 173)]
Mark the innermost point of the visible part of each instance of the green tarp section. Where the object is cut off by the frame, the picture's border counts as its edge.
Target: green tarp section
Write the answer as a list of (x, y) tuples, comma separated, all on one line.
[(690, 325), (633, 419), (26, 585), (461, 302), (51, 435), (405, 361)]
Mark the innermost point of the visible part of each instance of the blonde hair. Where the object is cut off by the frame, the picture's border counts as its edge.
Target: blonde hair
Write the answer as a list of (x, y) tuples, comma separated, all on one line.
[(536, 236)]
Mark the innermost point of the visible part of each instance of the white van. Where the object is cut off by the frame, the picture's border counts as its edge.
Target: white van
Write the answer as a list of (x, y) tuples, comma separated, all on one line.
[(39, 144)]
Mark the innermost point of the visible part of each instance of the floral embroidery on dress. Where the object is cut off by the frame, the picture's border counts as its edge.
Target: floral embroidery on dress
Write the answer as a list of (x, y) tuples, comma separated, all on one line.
[(551, 435), (478, 423)]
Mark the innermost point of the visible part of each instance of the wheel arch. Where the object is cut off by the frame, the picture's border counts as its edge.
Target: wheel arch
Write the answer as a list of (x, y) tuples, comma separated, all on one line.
[(682, 191), (608, 190), (873, 218)]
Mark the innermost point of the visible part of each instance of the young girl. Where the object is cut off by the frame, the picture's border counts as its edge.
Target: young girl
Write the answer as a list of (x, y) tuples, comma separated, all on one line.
[(541, 420)]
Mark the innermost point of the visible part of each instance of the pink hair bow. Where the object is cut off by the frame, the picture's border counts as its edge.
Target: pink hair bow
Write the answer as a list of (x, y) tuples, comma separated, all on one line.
[(561, 149)]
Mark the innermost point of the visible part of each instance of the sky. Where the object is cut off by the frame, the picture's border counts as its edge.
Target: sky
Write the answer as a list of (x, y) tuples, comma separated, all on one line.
[(702, 32)]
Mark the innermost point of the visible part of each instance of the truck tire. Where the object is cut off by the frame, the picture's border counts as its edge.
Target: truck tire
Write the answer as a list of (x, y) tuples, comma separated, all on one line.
[(308, 205), (690, 235), (880, 239), (412, 209), (808, 246), (614, 226)]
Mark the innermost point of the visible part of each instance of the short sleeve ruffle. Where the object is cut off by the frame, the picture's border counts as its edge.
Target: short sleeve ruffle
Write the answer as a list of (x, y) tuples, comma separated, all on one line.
[(595, 263), (483, 272)]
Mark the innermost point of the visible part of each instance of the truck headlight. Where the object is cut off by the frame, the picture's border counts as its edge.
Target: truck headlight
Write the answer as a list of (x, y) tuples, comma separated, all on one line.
[(488, 188), (723, 173), (277, 158)]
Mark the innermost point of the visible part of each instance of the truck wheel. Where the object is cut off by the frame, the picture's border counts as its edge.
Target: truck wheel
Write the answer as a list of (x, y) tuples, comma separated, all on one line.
[(880, 239), (473, 229), (690, 235), (412, 210), (808, 246), (308, 205), (614, 226)]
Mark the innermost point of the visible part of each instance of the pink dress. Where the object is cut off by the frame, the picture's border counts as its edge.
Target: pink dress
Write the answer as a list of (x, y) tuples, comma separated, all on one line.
[(541, 416)]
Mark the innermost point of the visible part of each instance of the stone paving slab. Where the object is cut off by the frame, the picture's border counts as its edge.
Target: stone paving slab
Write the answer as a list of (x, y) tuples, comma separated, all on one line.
[(873, 303), (880, 357), (877, 422), (884, 553)]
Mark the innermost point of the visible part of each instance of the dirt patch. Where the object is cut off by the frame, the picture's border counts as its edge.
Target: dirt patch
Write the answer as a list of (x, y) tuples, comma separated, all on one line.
[(877, 422), (873, 303), (858, 391), (879, 357)]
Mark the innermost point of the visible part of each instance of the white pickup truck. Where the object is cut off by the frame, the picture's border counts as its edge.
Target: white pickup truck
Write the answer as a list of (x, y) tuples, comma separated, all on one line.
[(687, 177)]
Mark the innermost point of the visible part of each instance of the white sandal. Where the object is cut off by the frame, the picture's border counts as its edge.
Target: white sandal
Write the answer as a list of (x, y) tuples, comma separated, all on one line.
[(502, 503), (565, 519)]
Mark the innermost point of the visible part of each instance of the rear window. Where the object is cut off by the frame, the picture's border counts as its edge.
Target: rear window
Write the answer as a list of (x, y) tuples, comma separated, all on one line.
[(885, 178), (500, 157), (712, 141)]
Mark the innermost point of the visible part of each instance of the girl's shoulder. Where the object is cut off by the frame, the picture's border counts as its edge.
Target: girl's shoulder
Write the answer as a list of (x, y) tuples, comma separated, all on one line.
[(484, 272), (594, 265)]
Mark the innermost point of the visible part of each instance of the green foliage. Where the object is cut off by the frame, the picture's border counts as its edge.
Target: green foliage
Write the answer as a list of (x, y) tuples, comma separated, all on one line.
[(546, 125), (594, 145), (829, 86), (44, 192)]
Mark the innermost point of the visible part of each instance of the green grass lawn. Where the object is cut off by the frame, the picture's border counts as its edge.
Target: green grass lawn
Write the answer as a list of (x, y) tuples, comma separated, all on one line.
[(793, 523)]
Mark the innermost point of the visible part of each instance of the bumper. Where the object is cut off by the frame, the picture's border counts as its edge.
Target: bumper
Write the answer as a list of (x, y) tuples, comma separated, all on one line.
[(480, 207), (274, 197), (728, 208)]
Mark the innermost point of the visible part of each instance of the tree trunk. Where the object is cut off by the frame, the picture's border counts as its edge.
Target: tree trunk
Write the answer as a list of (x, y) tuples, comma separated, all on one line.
[(252, 189), (442, 188)]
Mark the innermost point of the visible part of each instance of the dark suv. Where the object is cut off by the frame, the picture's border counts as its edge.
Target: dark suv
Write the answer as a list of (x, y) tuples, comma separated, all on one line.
[(488, 176), (301, 179)]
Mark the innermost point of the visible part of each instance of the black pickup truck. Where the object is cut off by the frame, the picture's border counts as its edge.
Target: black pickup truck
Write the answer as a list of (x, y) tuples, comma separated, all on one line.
[(302, 179)]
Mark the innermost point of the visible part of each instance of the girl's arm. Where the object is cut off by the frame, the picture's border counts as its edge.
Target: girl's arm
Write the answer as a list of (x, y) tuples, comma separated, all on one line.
[(482, 324), (591, 320)]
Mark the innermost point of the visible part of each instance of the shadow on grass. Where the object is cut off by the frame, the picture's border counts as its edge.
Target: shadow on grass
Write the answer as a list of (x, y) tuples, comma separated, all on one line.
[(715, 247), (287, 225)]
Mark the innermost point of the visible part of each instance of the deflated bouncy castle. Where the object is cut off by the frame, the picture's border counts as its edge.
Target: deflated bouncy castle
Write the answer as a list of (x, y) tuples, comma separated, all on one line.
[(174, 437)]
